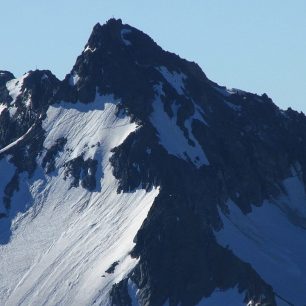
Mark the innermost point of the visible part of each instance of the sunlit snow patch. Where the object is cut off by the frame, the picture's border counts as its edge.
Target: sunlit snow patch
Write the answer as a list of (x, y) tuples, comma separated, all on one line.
[(74, 78), (2, 108), (14, 88), (89, 49), (175, 79), (171, 137)]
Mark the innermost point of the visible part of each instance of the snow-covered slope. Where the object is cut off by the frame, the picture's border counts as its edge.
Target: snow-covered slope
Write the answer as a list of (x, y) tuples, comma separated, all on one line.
[(171, 135), (61, 247), (272, 238)]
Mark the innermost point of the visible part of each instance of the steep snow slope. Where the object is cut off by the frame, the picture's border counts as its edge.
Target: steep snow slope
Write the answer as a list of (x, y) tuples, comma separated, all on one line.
[(272, 238), (62, 246)]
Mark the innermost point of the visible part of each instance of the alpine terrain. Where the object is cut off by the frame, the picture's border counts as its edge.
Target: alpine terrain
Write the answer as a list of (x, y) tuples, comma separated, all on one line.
[(136, 180)]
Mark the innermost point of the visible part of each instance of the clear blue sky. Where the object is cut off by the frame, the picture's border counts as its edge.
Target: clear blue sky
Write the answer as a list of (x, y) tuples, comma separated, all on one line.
[(255, 45)]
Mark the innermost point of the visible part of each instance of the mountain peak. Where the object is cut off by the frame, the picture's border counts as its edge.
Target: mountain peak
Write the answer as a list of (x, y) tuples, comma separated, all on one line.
[(122, 60), (110, 59), (110, 24), (110, 32), (114, 21), (136, 137)]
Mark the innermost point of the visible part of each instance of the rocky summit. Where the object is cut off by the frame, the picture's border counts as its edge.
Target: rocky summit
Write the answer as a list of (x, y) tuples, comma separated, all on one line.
[(136, 180)]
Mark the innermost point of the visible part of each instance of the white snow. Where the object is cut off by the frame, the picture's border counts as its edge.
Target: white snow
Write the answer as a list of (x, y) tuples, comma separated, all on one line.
[(175, 79), (15, 87), (89, 49), (271, 240), (125, 32), (74, 78), (171, 137), (230, 297), (2, 108), (12, 110), (61, 247)]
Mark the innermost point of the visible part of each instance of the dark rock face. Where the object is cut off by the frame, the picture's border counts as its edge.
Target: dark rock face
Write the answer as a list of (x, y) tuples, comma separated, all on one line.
[(36, 93), (120, 295), (5, 76), (82, 171), (112, 268), (249, 142), (48, 161), (40, 85), (30, 105), (9, 190)]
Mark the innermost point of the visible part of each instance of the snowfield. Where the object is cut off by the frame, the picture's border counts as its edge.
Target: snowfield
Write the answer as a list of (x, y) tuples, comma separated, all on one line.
[(62, 245), (171, 135), (272, 238), (15, 87)]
